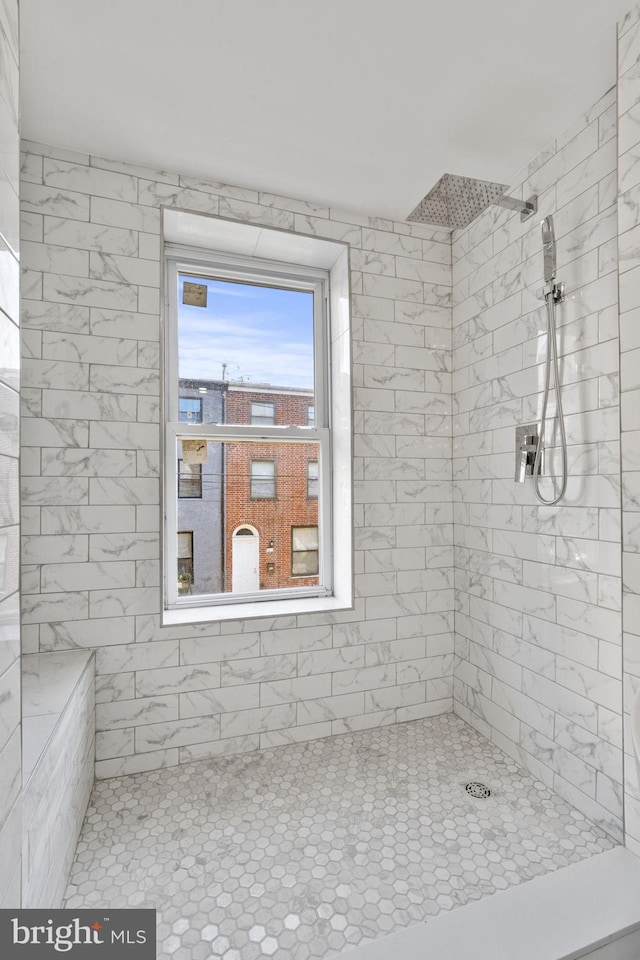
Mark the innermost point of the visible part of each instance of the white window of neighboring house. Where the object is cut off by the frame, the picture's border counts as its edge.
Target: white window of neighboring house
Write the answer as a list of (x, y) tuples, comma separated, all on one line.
[(304, 551), (264, 328), (185, 555), (312, 478), (189, 480), (263, 479), (263, 413)]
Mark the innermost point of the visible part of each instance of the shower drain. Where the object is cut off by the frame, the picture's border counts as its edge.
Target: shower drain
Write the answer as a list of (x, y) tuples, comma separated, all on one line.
[(478, 790)]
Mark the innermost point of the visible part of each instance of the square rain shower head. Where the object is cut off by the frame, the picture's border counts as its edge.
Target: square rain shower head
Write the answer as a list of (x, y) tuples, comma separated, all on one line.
[(456, 201)]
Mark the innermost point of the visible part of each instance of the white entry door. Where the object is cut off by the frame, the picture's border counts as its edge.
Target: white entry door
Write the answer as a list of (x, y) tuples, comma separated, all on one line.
[(244, 561)]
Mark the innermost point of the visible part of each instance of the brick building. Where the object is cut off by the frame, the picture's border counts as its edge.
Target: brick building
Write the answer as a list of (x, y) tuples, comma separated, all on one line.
[(270, 493), (248, 517)]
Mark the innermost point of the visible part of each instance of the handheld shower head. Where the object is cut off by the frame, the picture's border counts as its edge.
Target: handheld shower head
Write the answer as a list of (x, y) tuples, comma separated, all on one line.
[(549, 249)]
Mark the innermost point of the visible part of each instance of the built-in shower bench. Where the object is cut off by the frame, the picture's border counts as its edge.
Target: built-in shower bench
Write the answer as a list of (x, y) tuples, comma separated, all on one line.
[(58, 745)]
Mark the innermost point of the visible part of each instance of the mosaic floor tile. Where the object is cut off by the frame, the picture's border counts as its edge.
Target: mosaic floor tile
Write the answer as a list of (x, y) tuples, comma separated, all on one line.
[(304, 851)]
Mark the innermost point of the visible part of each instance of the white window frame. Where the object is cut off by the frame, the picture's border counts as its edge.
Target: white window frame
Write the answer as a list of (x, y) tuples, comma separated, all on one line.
[(256, 478), (262, 421), (186, 476), (267, 273), (293, 552), (311, 480)]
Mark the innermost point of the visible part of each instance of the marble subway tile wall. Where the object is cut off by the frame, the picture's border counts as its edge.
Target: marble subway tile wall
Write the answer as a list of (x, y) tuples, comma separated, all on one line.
[(538, 621), (90, 461), (629, 254), (10, 739)]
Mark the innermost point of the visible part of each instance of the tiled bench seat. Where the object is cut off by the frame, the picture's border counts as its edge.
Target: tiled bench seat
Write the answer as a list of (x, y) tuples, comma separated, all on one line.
[(58, 709)]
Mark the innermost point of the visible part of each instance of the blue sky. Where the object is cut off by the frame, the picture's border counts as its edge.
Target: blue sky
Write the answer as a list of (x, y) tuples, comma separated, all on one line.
[(262, 334)]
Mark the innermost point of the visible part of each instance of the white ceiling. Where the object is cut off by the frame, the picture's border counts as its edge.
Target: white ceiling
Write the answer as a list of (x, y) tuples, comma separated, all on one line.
[(361, 104)]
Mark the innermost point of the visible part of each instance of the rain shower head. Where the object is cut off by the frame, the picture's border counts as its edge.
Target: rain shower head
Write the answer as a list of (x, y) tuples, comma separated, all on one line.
[(456, 201)]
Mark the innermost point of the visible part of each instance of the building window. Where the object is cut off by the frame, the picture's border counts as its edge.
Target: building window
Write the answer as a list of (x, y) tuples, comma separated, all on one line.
[(263, 413), (312, 478), (189, 410), (277, 378), (304, 551), (185, 556), (189, 480), (263, 479)]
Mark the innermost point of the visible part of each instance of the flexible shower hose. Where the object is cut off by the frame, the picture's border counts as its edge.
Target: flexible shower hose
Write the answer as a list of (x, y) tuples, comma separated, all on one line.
[(552, 348)]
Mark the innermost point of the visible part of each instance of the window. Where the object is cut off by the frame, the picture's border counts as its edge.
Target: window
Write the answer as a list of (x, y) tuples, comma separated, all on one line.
[(263, 413), (189, 480), (274, 378), (312, 478), (185, 556), (263, 479), (304, 551), (190, 410), (271, 330)]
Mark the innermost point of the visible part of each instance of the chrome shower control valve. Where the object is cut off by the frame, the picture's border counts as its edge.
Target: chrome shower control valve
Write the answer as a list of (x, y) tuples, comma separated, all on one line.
[(527, 440)]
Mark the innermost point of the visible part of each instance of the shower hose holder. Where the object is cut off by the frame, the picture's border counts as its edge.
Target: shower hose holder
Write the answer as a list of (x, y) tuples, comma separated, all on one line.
[(553, 289)]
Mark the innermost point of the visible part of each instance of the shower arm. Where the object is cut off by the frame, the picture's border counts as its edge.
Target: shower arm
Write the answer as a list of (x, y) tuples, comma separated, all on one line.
[(526, 207)]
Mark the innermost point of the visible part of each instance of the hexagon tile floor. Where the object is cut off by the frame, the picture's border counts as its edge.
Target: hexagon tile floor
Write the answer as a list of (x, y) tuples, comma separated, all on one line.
[(307, 850)]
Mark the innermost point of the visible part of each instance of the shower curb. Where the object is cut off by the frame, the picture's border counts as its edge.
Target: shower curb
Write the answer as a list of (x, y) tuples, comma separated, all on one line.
[(575, 912)]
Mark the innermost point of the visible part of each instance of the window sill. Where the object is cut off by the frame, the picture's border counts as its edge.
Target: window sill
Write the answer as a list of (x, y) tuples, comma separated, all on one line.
[(253, 610)]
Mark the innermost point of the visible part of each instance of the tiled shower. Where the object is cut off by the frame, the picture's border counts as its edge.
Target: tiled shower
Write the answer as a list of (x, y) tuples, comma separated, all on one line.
[(471, 597)]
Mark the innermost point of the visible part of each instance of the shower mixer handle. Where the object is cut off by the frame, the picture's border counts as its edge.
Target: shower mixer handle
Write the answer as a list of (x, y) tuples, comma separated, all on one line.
[(527, 439)]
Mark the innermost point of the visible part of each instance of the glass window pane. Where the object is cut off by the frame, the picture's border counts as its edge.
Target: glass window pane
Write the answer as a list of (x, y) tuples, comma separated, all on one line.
[(312, 478), (189, 479), (305, 564), (185, 562), (262, 413), (305, 538), (261, 488), (185, 545), (263, 478), (190, 409), (247, 339), (304, 551)]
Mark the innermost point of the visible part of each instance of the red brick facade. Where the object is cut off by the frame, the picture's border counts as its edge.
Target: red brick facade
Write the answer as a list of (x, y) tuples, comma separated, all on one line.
[(273, 518)]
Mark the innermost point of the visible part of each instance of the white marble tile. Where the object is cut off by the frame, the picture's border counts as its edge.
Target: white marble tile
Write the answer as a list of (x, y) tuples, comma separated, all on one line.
[(89, 180), (49, 680), (37, 198), (123, 269), (292, 691), (597, 686), (569, 704), (262, 719), (89, 293), (124, 215), (175, 733)]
